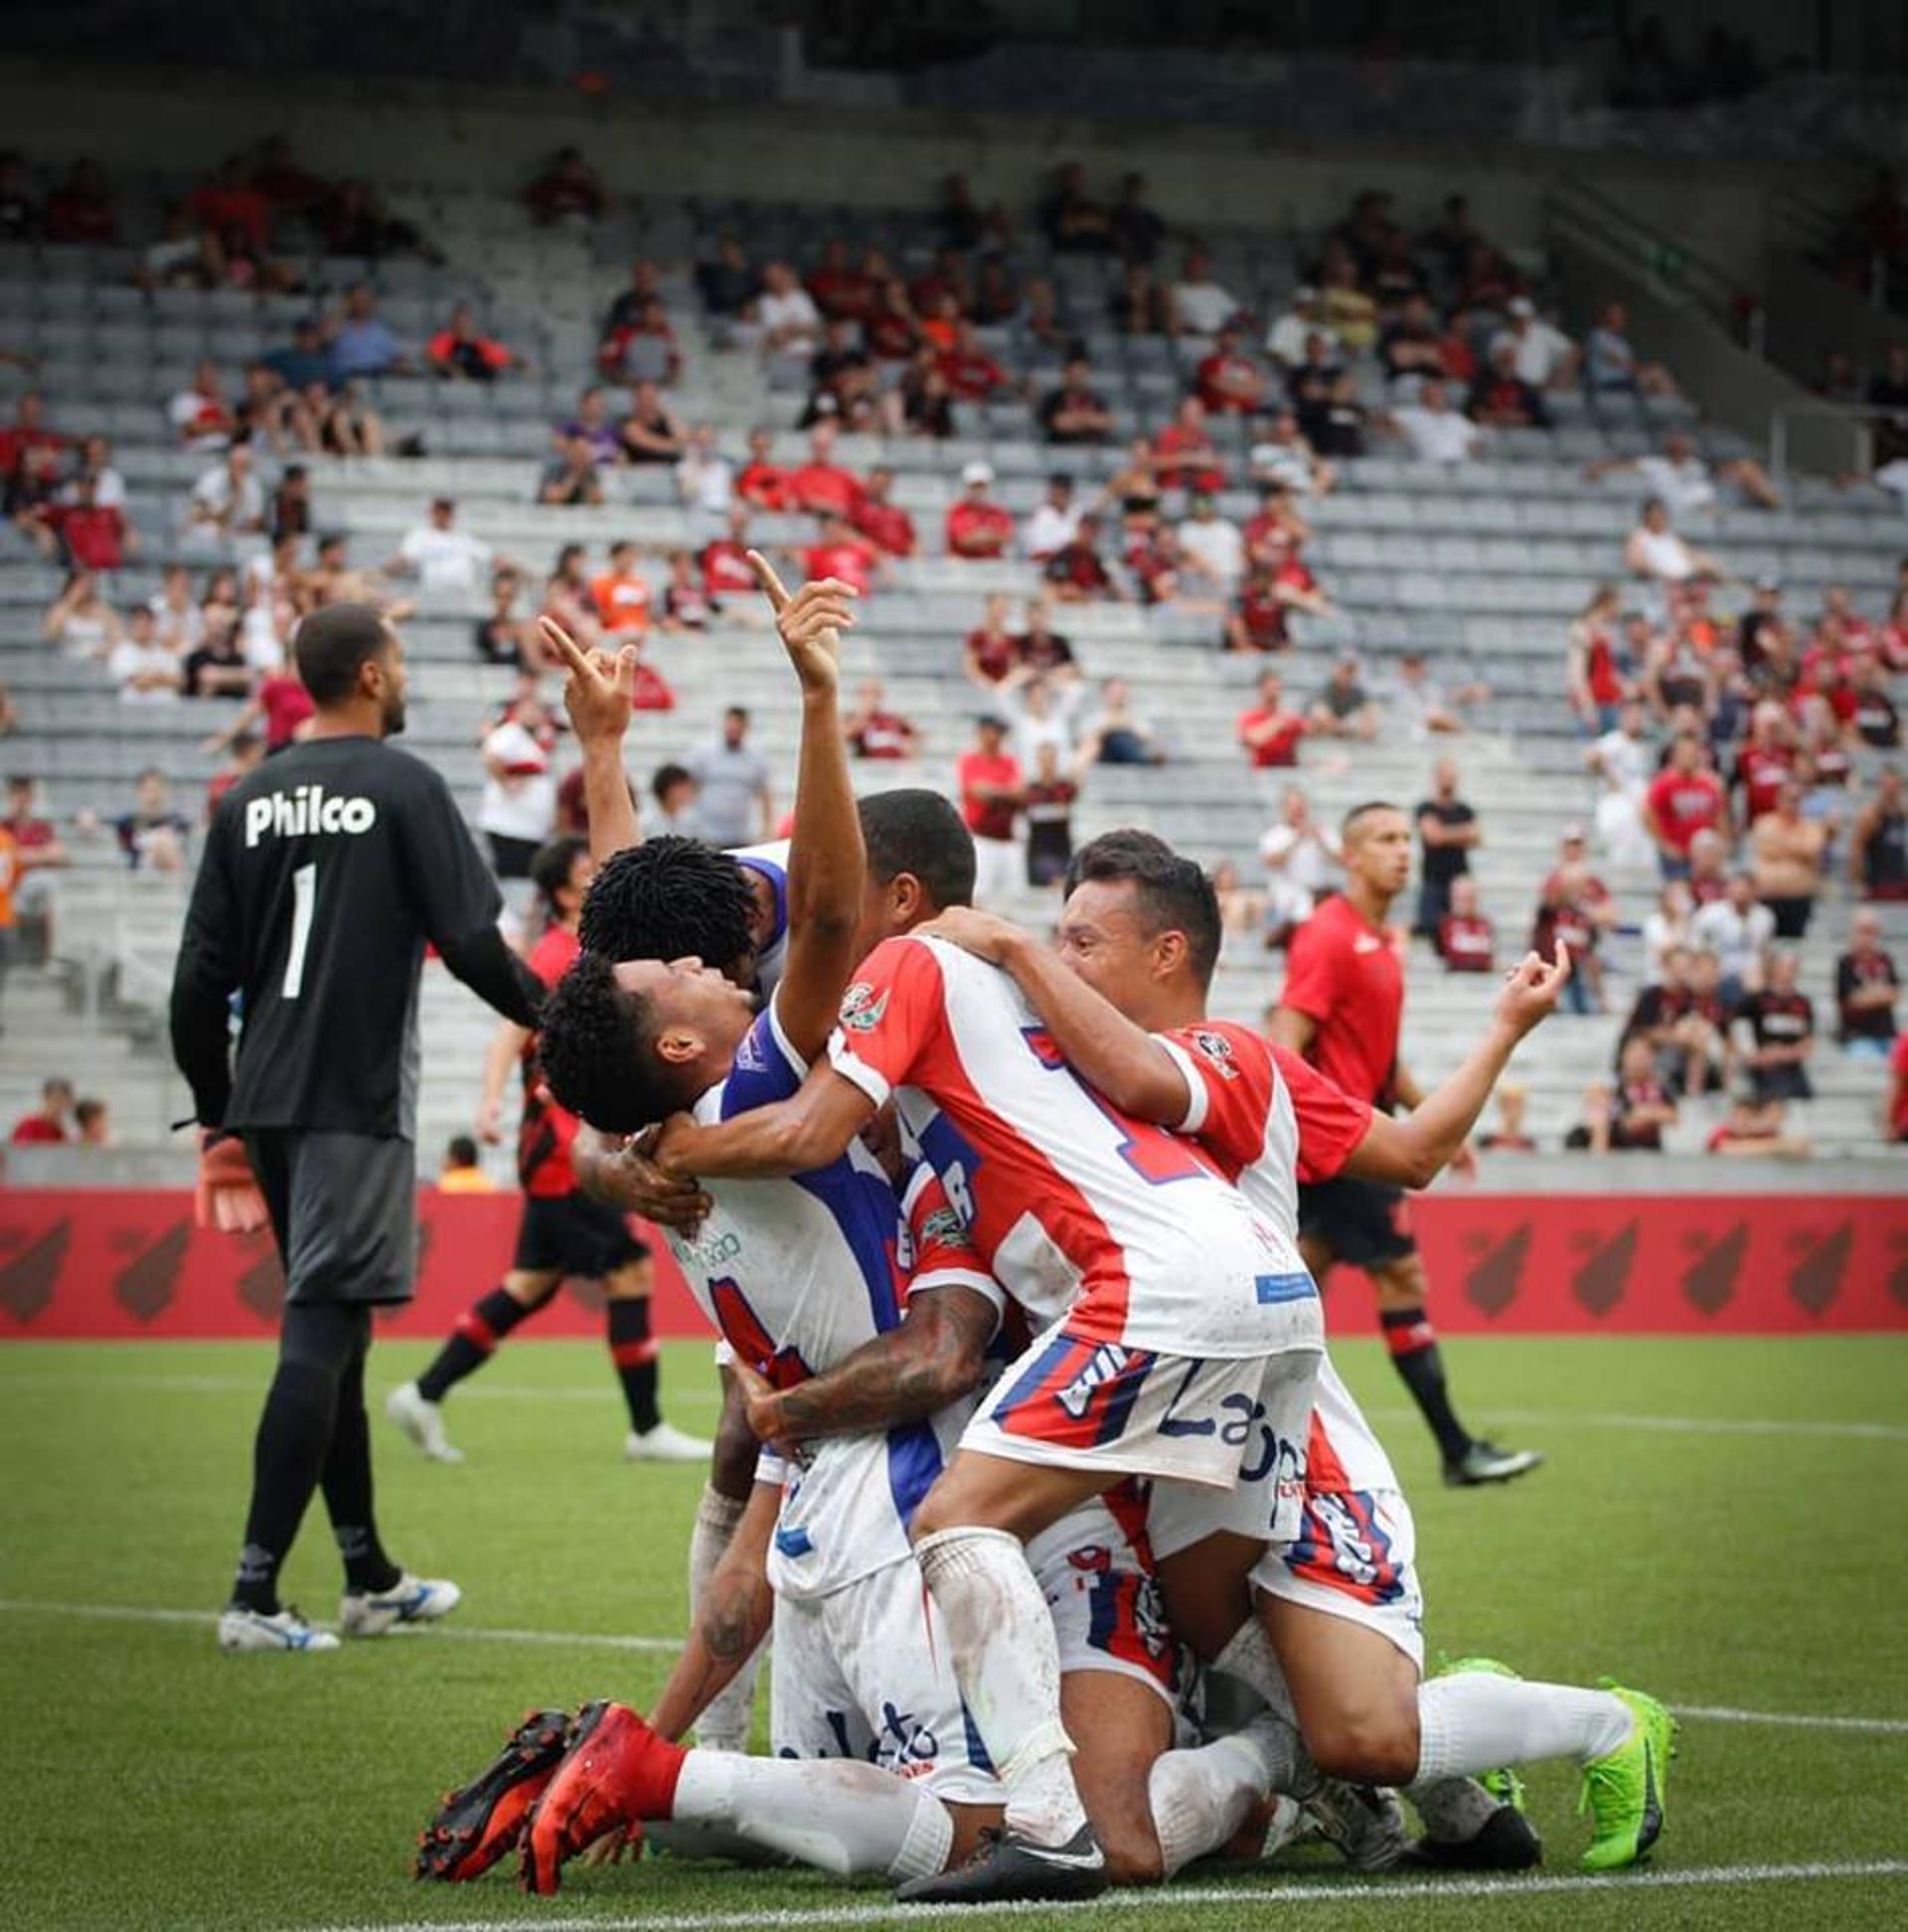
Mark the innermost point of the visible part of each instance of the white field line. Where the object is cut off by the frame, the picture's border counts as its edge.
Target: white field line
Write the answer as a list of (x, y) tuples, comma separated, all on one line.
[(606, 1391), (460, 1633), (1674, 1425), (197, 1384), (1362, 1897), (603, 1640)]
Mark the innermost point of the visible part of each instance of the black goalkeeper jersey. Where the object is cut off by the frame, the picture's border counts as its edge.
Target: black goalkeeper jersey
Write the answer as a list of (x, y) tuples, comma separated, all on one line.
[(324, 873)]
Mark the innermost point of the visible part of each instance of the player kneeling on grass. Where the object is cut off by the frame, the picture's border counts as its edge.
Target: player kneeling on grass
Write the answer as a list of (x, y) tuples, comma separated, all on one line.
[(1181, 1279), (856, 1642), (773, 1272), (1336, 1643)]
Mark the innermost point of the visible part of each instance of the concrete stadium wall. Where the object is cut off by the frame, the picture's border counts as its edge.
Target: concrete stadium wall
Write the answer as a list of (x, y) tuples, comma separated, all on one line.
[(83, 1265)]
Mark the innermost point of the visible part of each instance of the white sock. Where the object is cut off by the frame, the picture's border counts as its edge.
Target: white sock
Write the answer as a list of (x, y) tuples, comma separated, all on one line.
[(1007, 1662), (1475, 1722), (725, 1725), (1198, 1799), (836, 1814)]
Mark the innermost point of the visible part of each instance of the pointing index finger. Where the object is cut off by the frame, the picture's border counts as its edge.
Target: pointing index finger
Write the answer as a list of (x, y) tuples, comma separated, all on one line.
[(772, 585), (567, 646)]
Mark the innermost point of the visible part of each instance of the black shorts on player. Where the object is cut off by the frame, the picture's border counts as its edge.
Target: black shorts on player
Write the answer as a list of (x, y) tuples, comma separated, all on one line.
[(573, 1236), (1365, 1223)]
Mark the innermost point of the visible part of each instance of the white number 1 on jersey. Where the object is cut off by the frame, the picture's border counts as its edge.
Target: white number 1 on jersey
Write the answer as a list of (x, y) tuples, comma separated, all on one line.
[(304, 897)]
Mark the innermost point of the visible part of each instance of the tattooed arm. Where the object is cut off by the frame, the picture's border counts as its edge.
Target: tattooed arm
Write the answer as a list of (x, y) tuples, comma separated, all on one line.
[(935, 1356), (731, 1621)]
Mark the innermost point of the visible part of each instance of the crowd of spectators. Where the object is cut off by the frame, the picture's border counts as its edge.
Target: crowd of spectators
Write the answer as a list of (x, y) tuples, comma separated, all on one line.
[(62, 1118), (1727, 741), (1741, 750)]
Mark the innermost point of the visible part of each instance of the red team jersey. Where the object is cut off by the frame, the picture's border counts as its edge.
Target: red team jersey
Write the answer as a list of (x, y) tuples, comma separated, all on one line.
[(1079, 1211), (1344, 973), (1266, 1117), (548, 1132)]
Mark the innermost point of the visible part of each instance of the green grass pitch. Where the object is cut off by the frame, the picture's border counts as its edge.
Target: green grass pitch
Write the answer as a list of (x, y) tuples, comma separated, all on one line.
[(1759, 1569)]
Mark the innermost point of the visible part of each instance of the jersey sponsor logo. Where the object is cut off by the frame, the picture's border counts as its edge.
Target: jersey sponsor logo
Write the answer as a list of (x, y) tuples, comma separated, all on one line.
[(862, 1007), (1219, 1050), (710, 1252), (748, 1056), (305, 811), (1107, 1363)]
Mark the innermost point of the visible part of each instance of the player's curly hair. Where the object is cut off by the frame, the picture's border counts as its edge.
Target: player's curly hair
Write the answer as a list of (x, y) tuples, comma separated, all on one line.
[(597, 1047), (670, 899)]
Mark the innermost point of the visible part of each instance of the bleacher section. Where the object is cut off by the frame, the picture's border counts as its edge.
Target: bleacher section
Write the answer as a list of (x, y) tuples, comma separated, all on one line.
[(1480, 570)]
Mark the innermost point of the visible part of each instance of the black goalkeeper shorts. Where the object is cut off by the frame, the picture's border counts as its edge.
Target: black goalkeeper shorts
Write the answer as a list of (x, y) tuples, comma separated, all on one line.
[(344, 1207)]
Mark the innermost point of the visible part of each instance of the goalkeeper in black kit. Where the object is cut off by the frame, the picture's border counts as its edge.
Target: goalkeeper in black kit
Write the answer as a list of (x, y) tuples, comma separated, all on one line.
[(325, 871)]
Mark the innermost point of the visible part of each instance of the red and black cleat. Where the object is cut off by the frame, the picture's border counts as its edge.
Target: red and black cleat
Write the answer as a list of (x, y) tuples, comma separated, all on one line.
[(617, 1773), (481, 1822)]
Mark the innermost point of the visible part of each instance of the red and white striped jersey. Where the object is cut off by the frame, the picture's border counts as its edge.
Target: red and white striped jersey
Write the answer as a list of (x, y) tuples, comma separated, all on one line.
[(1272, 1120), (1268, 1118), (1130, 1231)]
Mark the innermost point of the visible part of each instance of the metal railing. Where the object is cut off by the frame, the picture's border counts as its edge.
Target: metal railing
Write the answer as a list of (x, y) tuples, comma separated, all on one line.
[(1674, 271)]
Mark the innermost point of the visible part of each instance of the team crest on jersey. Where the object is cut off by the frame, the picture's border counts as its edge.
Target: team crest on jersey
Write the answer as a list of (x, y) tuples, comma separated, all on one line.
[(861, 1008), (1219, 1050), (943, 1229)]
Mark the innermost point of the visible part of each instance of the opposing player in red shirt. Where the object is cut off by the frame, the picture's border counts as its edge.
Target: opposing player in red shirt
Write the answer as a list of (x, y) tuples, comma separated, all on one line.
[(1341, 1008), (1124, 996), (563, 1234)]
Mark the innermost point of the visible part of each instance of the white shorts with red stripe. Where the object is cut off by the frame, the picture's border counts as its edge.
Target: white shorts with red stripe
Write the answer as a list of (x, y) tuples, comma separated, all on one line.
[(1071, 1402), (1354, 1557), (1107, 1611), (866, 1673)]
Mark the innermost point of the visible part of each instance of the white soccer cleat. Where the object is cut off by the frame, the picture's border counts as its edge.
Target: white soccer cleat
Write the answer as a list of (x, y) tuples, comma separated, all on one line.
[(411, 1600), (240, 1629), (1366, 1823), (665, 1443), (422, 1421)]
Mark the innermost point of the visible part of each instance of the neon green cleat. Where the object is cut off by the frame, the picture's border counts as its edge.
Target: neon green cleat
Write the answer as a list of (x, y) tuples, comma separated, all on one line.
[(1623, 1790), (1504, 1785)]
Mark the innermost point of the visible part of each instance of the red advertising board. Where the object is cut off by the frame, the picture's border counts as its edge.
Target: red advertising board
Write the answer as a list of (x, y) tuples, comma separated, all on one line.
[(77, 1264)]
